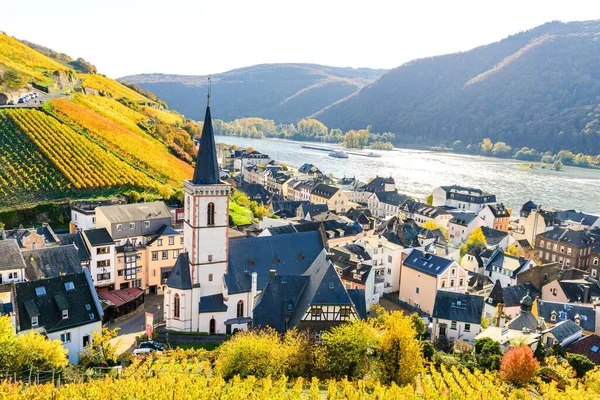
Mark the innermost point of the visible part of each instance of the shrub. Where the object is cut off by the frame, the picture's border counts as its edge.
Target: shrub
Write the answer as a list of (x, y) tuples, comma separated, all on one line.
[(519, 366), (428, 351), (581, 364), (488, 354)]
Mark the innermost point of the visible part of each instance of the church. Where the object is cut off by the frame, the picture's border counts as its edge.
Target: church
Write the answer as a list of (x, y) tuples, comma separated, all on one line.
[(219, 285)]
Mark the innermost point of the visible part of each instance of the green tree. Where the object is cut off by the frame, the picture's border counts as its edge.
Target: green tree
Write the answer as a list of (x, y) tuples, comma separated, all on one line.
[(580, 363), (11, 79), (501, 149), (488, 354), (418, 325), (429, 199), (133, 197), (101, 352), (348, 347), (476, 240), (557, 165)]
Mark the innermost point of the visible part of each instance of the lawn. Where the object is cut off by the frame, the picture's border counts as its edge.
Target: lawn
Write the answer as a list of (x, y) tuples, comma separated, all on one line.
[(206, 346)]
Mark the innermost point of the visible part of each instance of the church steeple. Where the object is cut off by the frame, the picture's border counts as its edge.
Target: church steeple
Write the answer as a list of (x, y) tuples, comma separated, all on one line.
[(207, 168)]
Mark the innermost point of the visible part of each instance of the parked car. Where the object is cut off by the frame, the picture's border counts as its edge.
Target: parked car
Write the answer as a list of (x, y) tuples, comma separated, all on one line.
[(11, 103), (151, 344), (21, 100), (143, 352)]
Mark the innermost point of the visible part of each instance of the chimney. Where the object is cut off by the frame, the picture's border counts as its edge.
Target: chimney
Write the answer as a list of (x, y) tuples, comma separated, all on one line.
[(499, 312), (20, 226), (586, 294), (272, 273), (254, 289)]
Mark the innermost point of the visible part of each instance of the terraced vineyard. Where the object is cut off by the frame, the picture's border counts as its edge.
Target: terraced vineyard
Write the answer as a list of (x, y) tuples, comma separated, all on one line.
[(26, 176), (110, 87), (163, 116), (142, 149), (82, 162), (113, 110)]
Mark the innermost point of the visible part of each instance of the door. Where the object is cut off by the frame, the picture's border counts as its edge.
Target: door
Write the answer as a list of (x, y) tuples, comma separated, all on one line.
[(228, 329), (212, 327)]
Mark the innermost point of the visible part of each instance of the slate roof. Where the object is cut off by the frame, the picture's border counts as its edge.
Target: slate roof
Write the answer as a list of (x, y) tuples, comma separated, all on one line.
[(50, 262), (98, 237), (493, 237), (313, 209), (360, 303), (122, 213), (462, 218), (564, 311), (212, 303), (588, 346), (272, 304), (206, 171), (77, 240), (564, 329), (571, 237), (180, 277), (574, 289), (11, 258), (426, 263), (289, 254), (165, 230), (576, 216), (361, 216), (499, 210), (82, 303), (20, 234), (392, 198), (325, 191), (378, 184), (281, 230), (458, 307), (525, 319), (478, 281), (467, 194), (309, 169), (511, 296), (510, 263), (287, 208), (256, 191)]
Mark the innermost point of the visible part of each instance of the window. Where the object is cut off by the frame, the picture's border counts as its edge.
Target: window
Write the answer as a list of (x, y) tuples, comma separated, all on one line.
[(210, 258), (417, 290), (175, 253), (316, 311), (65, 314), (594, 273), (541, 243), (103, 277), (88, 307), (86, 340), (562, 249), (389, 271), (453, 325), (154, 255), (595, 262), (159, 242), (210, 214), (210, 277), (120, 260), (345, 312), (171, 240), (443, 283), (176, 306), (103, 250), (453, 271), (181, 240), (451, 282), (132, 225), (331, 285), (461, 282), (568, 250), (119, 227), (165, 255), (389, 259), (146, 224), (40, 291), (103, 263), (553, 316), (240, 309), (290, 306), (137, 283), (34, 321), (65, 337)]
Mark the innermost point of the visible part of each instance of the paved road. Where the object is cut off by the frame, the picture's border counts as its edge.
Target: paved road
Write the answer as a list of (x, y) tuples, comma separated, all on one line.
[(132, 327), (37, 102)]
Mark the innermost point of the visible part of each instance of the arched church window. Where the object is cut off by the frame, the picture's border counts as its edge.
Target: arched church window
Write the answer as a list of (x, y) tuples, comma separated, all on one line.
[(210, 217), (240, 308), (176, 306)]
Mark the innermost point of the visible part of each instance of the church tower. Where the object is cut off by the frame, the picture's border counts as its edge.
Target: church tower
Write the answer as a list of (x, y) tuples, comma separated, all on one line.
[(206, 218)]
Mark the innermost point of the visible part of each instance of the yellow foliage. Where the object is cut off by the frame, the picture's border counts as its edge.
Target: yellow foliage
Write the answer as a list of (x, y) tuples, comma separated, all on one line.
[(113, 110), (109, 86), (168, 117)]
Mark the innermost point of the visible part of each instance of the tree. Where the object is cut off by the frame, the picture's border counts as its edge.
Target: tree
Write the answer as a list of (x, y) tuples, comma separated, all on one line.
[(101, 352), (487, 146), (8, 342), (133, 197), (429, 199), (400, 352), (418, 325), (432, 226), (348, 346), (557, 165), (519, 366), (580, 363), (476, 240), (11, 79), (513, 250), (34, 351), (501, 149), (488, 353), (484, 322)]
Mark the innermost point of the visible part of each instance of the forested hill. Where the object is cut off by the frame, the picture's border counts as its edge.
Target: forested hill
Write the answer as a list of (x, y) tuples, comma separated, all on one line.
[(282, 92), (539, 88)]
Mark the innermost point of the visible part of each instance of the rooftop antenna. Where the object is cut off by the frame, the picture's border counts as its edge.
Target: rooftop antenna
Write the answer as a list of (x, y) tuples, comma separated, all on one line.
[(208, 96)]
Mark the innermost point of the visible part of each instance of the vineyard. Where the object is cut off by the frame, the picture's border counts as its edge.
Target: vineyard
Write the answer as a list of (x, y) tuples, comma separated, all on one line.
[(169, 118), (187, 375), (140, 148), (82, 162), (110, 87), (113, 110), (25, 175)]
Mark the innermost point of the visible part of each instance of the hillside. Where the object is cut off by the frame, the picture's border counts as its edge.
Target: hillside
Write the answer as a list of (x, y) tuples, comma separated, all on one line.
[(539, 88), (283, 92), (101, 139)]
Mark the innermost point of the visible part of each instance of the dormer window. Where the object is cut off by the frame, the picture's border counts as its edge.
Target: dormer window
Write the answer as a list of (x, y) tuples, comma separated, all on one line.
[(34, 321), (331, 285), (119, 227), (69, 286), (40, 291), (553, 316), (132, 225), (65, 314)]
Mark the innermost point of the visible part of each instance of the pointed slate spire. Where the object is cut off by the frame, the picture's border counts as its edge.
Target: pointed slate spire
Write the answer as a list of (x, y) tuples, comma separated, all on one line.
[(207, 168)]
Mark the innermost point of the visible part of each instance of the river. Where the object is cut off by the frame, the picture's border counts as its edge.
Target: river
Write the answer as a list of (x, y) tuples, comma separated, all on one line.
[(418, 172)]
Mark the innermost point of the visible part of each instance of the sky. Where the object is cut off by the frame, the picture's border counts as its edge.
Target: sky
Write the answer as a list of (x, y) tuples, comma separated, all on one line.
[(199, 37)]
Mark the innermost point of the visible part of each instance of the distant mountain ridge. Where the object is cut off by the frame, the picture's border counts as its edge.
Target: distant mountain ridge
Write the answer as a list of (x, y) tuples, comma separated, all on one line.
[(283, 92), (539, 88)]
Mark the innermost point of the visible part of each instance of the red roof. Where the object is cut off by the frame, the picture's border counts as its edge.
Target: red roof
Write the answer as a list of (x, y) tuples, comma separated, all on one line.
[(588, 346), (120, 297)]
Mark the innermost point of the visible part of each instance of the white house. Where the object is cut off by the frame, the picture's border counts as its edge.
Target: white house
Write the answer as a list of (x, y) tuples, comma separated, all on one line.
[(461, 225), (12, 264), (64, 308), (102, 253), (456, 316), (462, 198), (385, 204), (387, 259), (505, 268)]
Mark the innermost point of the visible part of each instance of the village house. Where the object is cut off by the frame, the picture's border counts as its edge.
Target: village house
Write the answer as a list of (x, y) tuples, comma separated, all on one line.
[(354, 266), (64, 308), (456, 316), (563, 334), (359, 192), (495, 216), (305, 211), (12, 264), (506, 301), (83, 214), (422, 213), (334, 197), (387, 259), (584, 315), (32, 238), (50, 262), (505, 268), (361, 216), (570, 248), (496, 238), (76, 239), (588, 346), (584, 290), (462, 198), (422, 275), (385, 204), (247, 159), (595, 261), (310, 170), (461, 226)]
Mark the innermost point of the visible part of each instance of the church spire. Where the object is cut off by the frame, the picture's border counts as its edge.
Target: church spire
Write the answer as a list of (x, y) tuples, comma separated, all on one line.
[(207, 168)]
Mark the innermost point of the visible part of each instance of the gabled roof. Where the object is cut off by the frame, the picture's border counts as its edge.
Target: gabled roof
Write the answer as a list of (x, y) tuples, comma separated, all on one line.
[(98, 237), (180, 277), (467, 194), (378, 184), (325, 191), (358, 298), (576, 216), (212, 303), (507, 262), (564, 311), (122, 213), (392, 198), (287, 208), (574, 289), (462, 218), (498, 210), (426, 263), (77, 240), (11, 256), (493, 237), (20, 234), (81, 302), (289, 254), (564, 330), (309, 169), (588, 346), (313, 208), (50, 262), (527, 320), (458, 307), (511, 296), (571, 237), (207, 168)]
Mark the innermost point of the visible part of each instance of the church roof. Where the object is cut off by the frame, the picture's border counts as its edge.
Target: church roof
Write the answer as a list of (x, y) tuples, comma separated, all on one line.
[(207, 168), (180, 277)]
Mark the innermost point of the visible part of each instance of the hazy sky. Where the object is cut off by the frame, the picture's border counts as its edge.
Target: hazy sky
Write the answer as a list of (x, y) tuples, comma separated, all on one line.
[(123, 37)]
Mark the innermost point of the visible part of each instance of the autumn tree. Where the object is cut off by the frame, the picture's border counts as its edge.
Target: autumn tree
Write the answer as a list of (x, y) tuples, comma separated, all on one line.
[(101, 352), (519, 366), (558, 165), (487, 146), (476, 240), (35, 351), (429, 199), (513, 250), (432, 226), (311, 128)]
